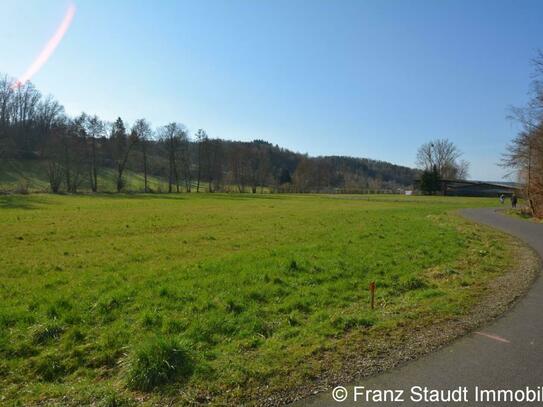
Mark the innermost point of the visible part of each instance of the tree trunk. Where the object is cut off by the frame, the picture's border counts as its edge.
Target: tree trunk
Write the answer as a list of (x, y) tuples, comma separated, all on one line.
[(94, 174), (120, 183), (120, 167), (170, 177), (199, 166), (145, 189), (176, 175), (188, 180), (67, 167)]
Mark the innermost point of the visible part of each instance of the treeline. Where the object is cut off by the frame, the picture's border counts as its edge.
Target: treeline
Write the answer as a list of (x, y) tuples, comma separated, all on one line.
[(76, 149), (525, 153)]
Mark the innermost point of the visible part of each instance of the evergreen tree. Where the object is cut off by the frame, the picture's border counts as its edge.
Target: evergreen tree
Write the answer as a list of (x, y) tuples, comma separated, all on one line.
[(430, 181)]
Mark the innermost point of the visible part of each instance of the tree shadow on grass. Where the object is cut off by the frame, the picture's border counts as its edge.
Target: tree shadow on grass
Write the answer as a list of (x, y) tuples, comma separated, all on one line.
[(139, 195), (33, 201), (184, 195), (21, 202), (242, 196)]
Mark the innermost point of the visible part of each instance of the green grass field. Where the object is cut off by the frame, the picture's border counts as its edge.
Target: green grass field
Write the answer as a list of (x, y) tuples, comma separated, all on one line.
[(220, 298)]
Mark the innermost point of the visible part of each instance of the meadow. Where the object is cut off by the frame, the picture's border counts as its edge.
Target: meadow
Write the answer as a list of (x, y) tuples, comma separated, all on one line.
[(220, 298)]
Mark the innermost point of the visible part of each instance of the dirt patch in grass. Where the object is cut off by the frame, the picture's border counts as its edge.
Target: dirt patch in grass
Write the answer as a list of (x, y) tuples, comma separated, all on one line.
[(366, 356)]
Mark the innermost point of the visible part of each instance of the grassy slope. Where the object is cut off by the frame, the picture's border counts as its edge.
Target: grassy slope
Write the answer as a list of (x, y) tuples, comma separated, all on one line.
[(32, 175), (255, 288)]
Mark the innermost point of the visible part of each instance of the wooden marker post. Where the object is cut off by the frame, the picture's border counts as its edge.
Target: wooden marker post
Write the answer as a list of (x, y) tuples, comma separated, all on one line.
[(372, 291)]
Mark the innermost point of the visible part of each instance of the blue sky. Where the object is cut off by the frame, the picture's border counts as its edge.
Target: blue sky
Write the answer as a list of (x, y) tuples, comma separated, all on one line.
[(362, 78)]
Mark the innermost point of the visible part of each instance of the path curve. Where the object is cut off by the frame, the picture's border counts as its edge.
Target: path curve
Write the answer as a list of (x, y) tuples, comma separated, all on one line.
[(505, 354)]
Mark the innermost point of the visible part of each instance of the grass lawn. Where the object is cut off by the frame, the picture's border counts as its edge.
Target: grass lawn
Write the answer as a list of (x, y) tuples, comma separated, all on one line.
[(219, 298), (522, 213)]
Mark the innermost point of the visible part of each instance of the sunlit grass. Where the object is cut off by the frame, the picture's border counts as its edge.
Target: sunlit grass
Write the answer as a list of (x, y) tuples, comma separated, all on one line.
[(236, 292)]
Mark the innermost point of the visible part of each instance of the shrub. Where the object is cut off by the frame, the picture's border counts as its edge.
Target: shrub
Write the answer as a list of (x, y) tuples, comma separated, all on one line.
[(158, 362)]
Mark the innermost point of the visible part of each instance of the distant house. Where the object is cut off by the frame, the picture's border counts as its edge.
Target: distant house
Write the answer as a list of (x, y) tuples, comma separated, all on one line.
[(476, 188)]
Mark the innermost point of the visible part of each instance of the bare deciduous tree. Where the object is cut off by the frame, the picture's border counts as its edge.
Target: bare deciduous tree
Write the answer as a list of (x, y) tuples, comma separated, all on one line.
[(444, 155), (143, 133), (524, 154), (185, 161), (171, 135), (122, 145), (55, 169), (94, 129), (201, 141)]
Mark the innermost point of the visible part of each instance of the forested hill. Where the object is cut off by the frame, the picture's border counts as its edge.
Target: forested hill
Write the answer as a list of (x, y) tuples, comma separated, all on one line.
[(240, 166), (43, 148)]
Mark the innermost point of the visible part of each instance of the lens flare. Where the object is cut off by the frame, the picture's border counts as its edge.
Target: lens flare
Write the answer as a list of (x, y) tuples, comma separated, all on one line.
[(48, 49)]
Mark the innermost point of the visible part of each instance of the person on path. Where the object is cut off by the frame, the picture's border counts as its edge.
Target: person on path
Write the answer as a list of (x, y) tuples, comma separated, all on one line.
[(514, 200), (502, 199)]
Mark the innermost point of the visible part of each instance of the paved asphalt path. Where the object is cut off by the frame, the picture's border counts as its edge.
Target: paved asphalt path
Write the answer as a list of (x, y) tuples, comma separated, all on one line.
[(510, 357)]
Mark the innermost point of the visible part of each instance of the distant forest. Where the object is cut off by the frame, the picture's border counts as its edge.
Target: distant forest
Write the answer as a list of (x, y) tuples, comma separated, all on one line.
[(73, 151)]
